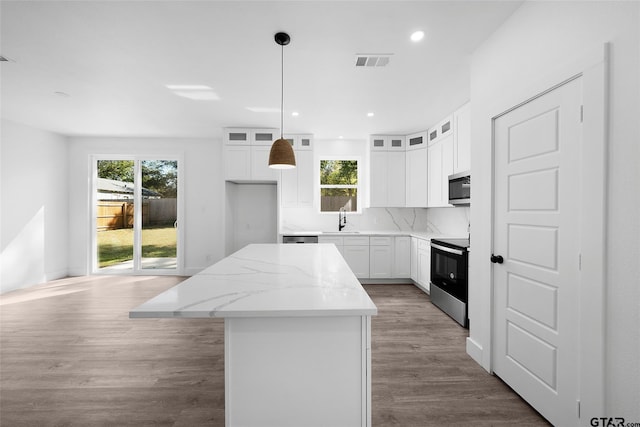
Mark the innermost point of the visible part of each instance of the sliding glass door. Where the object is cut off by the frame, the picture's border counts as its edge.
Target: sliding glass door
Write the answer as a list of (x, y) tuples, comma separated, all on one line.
[(136, 216)]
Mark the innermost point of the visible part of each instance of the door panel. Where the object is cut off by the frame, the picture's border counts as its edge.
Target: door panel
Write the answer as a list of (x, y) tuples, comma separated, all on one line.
[(536, 230)]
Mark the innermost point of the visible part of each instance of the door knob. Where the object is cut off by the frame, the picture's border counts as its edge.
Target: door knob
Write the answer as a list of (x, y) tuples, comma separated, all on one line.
[(497, 259)]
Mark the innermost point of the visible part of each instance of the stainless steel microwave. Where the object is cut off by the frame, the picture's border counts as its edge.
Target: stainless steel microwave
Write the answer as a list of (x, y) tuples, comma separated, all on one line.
[(460, 188)]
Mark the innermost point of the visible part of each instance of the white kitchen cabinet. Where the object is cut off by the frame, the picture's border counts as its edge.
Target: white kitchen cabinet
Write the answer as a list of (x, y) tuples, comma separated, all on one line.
[(387, 143), (443, 129), (462, 139), (296, 185), (424, 264), (260, 170), (396, 179), (237, 162), (416, 178), (378, 179), (300, 142), (416, 141), (387, 171), (380, 257), (233, 136), (414, 259), (440, 159), (336, 240), (356, 253), (246, 154), (401, 257)]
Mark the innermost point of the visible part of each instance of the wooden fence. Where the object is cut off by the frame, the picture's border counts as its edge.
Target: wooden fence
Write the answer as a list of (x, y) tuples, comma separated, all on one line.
[(116, 214), (334, 203)]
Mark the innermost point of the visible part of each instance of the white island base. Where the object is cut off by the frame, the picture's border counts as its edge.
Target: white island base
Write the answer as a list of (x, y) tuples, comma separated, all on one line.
[(297, 334), (306, 371)]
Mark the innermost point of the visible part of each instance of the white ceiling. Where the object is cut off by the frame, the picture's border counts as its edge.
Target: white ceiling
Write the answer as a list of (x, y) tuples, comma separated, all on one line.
[(114, 60)]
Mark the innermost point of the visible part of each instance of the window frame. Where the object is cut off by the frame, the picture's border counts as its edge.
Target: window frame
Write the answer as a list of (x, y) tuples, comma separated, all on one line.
[(320, 187)]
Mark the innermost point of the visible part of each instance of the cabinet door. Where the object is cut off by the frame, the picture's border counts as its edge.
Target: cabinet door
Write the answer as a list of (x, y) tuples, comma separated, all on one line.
[(462, 139), (378, 179), (424, 267), (396, 179), (260, 170), (235, 136), (289, 187), (416, 174), (237, 162), (358, 259), (396, 143), (416, 141), (447, 169), (377, 143), (434, 189), (264, 136), (402, 257), (414, 259), (336, 240), (380, 260), (304, 166)]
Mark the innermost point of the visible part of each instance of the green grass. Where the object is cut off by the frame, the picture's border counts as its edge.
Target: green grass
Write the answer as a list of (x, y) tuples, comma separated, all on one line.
[(116, 246)]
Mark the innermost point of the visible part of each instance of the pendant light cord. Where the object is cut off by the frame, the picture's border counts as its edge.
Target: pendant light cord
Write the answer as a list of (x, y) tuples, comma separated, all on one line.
[(281, 90)]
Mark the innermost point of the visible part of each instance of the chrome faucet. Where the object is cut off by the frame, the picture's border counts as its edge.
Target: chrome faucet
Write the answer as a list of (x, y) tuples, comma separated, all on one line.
[(342, 219)]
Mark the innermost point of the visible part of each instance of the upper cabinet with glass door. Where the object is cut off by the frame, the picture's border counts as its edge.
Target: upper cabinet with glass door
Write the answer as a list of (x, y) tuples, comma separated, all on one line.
[(247, 154)]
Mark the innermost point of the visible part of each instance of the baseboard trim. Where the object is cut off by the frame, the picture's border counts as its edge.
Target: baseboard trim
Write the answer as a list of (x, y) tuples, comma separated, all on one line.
[(474, 350)]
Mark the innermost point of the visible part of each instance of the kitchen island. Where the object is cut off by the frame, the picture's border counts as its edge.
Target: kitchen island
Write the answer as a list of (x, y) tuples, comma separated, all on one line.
[(297, 334)]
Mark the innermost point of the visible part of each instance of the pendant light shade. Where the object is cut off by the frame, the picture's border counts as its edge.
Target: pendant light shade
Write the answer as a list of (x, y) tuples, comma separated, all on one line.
[(281, 155)]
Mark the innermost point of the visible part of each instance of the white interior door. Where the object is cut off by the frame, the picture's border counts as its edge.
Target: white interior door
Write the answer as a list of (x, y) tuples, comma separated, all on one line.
[(537, 233)]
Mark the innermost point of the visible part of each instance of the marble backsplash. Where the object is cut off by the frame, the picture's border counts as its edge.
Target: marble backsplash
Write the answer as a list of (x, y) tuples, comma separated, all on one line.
[(452, 221)]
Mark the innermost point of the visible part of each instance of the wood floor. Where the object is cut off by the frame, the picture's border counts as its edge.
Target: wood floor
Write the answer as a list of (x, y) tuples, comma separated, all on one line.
[(70, 356)]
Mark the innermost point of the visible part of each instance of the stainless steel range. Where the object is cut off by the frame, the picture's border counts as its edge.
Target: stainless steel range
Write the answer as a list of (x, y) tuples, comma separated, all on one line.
[(449, 281)]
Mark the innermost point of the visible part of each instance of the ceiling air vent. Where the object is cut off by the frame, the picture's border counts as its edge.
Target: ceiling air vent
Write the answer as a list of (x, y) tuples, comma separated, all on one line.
[(373, 59)]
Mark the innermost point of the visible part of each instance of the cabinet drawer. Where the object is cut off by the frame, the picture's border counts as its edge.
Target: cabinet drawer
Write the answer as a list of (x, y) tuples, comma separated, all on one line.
[(424, 244), (337, 240), (380, 240), (356, 240)]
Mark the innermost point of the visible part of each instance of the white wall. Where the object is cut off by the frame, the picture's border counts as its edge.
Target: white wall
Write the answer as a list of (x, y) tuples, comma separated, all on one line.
[(203, 195), (448, 221), (34, 206), (252, 215), (537, 37)]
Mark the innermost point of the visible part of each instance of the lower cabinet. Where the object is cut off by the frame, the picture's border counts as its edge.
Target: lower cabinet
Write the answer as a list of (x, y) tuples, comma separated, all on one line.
[(336, 240), (414, 259), (424, 264), (380, 257), (401, 257), (358, 259), (376, 257), (356, 253)]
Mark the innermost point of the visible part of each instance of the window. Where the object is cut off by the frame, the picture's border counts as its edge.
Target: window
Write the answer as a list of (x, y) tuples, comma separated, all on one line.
[(338, 185)]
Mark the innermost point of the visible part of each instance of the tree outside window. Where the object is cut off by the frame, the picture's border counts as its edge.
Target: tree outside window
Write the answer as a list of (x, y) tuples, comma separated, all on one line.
[(338, 185)]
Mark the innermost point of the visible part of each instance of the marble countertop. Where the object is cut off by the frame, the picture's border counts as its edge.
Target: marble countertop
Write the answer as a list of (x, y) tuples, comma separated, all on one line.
[(267, 280), (419, 234)]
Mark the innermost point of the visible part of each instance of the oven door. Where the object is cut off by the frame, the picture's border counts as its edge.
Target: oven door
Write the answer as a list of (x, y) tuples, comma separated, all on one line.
[(449, 270)]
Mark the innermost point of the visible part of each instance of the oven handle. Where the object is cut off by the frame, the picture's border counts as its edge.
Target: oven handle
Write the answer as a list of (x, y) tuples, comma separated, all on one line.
[(446, 249)]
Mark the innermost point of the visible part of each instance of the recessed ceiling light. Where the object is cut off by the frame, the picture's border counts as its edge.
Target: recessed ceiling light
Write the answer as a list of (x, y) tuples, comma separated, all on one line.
[(340, 137), (295, 114), (417, 36), (369, 114), (197, 92)]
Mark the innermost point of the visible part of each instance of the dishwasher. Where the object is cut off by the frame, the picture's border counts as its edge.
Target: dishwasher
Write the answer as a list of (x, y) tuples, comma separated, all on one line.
[(299, 239)]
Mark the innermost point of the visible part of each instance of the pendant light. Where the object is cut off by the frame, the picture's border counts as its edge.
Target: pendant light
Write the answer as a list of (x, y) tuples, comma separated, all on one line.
[(281, 155)]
